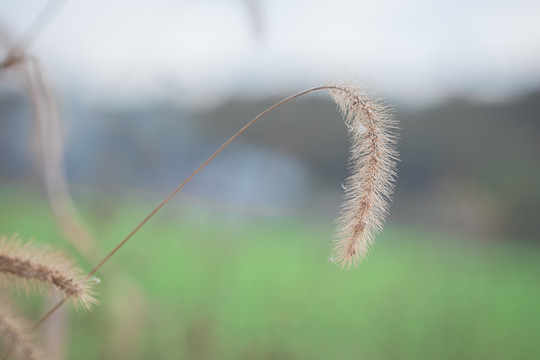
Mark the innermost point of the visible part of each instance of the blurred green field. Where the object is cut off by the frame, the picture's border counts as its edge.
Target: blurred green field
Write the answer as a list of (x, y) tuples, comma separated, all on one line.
[(263, 289)]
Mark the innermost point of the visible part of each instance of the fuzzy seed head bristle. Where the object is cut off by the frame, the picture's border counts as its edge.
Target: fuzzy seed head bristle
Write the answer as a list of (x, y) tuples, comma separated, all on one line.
[(372, 163), (15, 334), (29, 267)]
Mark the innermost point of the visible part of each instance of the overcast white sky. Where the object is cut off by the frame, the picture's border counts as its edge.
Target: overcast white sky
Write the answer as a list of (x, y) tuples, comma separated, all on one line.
[(414, 50)]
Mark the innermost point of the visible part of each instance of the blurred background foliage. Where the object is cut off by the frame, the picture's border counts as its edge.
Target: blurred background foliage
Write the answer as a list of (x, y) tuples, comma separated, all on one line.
[(262, 289), (237, 265), (465, 166)]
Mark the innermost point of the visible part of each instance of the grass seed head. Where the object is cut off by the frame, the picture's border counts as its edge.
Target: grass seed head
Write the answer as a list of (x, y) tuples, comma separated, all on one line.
[(372, 163), (30, 267)]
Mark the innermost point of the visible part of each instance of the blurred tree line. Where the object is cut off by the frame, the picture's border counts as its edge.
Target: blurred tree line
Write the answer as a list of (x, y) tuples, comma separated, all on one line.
[(465, 166)]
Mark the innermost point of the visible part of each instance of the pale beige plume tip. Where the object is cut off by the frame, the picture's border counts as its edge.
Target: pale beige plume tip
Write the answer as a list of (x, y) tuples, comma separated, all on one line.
[(372, 165)]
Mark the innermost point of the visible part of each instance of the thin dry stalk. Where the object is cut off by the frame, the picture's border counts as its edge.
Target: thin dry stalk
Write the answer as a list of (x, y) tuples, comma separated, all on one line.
[(28, 267), (16, 334)]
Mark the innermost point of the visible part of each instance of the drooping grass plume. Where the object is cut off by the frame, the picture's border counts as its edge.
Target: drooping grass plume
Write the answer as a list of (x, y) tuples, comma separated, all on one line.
[(16, 335), (372, 163), (30, 267), (369, 186)]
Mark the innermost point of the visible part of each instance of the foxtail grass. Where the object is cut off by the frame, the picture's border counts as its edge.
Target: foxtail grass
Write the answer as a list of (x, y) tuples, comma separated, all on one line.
[(369, 186), (372, 163), (30, 267)]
